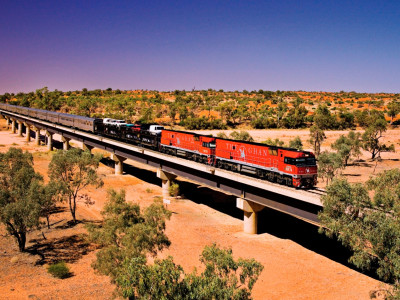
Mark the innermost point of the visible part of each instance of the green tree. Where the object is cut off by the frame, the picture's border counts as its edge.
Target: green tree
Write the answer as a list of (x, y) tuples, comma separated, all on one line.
[(73, 171), (393, 110), (329, 163), (241, 136), (323, 118), (223, 278), (296, 143), (48, 200), (317, 136), (370, 227), (20, 189), (127, 237), (348, 146), (371, 138), (127, 233), (275, 142)]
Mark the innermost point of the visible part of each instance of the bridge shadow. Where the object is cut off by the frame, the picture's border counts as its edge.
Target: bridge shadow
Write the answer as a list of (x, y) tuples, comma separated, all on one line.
[(305, 234)]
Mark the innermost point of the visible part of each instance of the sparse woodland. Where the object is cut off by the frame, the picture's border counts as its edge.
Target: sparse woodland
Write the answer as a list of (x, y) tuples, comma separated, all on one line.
[(363, 217)]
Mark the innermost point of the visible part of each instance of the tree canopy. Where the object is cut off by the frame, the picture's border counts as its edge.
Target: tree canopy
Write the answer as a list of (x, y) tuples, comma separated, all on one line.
[(367, 223), (129, 235), (20, 191), (72, 171)]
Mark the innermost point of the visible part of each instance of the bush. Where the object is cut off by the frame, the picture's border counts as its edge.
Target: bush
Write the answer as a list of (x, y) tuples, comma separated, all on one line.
[(173, 189), (59, 270)]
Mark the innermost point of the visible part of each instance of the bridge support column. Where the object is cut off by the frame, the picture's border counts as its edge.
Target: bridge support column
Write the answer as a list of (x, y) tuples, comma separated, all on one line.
[(37, 136), (250, 210), (27, 132), (87, 147), (19, 128), (13, 125), (166, 179), (49, 136), (65, 142), (119, 163)]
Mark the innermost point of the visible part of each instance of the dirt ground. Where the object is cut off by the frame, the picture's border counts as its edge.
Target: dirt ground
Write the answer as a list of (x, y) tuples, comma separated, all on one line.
[(291, 270)]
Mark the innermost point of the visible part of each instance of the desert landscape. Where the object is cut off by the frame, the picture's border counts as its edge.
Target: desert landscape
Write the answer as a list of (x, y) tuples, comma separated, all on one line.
[(298, 262)]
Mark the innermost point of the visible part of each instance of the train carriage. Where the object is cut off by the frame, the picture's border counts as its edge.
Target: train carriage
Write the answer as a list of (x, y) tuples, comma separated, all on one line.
[(86, 123), (52, 116), (66, 119)]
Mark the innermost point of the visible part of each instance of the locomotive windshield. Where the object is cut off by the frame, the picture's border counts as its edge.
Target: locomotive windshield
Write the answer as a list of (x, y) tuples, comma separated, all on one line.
[(306, 161)]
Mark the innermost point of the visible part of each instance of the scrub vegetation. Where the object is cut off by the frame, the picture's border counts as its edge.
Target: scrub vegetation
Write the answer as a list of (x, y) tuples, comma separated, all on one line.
[(211, 109)]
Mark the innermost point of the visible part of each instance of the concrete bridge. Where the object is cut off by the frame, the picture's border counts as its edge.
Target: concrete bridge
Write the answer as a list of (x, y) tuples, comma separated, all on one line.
[(252, 194)]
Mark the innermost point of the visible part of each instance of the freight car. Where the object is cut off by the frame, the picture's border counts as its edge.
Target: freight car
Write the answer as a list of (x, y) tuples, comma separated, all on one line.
[(277, 164)]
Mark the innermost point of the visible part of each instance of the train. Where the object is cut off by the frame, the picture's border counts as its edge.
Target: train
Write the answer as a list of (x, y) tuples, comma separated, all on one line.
[(287, 166)]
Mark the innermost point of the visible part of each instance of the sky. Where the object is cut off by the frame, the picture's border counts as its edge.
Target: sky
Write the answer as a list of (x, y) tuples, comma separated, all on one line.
[(231, 45)]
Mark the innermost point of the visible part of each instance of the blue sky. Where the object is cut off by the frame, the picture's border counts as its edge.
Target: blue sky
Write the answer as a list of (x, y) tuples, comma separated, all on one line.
[(230, 45)]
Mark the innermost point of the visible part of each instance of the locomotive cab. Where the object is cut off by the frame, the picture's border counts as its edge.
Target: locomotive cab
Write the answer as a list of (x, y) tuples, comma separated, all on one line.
[(303, 166)]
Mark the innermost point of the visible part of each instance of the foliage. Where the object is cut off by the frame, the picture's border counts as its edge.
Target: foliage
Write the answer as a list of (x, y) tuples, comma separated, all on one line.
[(222, 135), (323, 119), (48, 199), (329, 163), (241, 136), (173, 189), (276, 142), (223, 278), (296, 143), (194, 123), (71, 171), (127, 233), (263, 123), (370, 227), (393, 110), (348, 146), (371, 136), (20, 188), (59, 270), (317, 135)]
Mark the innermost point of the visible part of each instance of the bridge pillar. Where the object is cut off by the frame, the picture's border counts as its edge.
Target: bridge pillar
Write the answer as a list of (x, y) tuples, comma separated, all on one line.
[(65, 142), (250, 210), (49, 136), (27, 132), (119, 163), (166, 179), (19, 128), (87, 147), (37, 136), (13, 125)]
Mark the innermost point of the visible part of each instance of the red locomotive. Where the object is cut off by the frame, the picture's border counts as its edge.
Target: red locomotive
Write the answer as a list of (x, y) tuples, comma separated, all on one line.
[(192, 146), (277, 164)]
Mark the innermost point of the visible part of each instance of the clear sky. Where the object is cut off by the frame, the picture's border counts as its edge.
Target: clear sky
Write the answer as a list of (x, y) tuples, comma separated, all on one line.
[(232, 45)]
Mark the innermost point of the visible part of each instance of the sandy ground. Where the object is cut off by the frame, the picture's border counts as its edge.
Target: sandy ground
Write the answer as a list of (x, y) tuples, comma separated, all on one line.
[(299, 263)]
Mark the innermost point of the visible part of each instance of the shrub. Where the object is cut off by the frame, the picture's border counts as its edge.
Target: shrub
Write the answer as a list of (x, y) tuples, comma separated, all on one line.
[(173, 189), (59, 270)]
